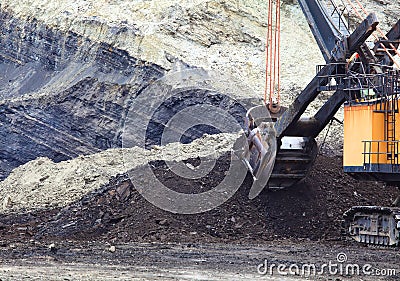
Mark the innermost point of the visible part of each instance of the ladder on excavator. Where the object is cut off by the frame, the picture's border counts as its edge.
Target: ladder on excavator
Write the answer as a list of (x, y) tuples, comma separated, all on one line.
[(390, 131)]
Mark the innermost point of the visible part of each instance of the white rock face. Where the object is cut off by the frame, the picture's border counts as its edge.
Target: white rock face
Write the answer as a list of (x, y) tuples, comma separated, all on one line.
[(227, 37)]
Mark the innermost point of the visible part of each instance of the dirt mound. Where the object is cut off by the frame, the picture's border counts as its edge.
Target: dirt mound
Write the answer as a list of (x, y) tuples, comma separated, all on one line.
[(117, 212), (314, 209), (43, 183)]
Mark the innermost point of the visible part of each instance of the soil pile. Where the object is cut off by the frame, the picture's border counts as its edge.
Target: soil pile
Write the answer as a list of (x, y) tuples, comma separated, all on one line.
[(44, 184), (117, 212)]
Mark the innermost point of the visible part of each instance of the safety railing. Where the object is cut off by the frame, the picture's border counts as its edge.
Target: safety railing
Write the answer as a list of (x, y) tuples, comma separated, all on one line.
[(380, 152), (360, 86), (335, 78)]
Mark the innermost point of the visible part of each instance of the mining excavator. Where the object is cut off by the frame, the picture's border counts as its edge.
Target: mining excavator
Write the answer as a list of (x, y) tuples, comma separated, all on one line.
[(359, 73)]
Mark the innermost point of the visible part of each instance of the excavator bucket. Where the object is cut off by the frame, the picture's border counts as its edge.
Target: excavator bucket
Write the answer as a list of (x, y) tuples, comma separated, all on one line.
[(259, 156), (273, 162), (260, 152)]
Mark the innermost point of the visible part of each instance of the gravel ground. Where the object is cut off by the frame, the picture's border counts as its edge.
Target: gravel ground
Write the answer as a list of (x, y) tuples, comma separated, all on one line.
[(133, 261)]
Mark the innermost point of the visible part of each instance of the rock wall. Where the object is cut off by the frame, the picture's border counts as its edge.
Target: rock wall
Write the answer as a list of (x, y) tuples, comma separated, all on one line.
[(225, 36), (65, 95)]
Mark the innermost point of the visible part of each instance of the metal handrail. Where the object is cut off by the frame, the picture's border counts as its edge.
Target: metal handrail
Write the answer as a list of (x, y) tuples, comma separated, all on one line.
[(368, 153)]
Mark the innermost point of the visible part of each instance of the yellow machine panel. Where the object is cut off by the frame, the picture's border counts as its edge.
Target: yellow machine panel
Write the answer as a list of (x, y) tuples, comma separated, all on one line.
[(370, 134)]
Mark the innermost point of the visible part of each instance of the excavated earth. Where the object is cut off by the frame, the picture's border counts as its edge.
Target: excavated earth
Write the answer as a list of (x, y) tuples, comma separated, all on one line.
[(117, 211), (71, 76)]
